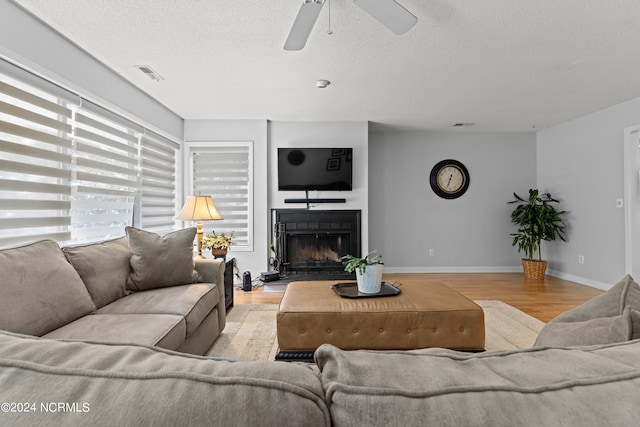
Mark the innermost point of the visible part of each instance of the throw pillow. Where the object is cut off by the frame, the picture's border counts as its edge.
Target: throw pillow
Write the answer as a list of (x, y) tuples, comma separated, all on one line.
[(605, 330), (161, 261), (41, 291), (103, 267), (609, 304), (635, 324)]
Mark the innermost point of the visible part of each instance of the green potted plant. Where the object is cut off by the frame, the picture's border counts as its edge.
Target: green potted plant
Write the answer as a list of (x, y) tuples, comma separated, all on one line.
[(537, 220), (218, 243), (368, 271)]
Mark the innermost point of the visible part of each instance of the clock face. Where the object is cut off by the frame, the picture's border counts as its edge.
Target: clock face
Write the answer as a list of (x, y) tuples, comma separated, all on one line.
[(449, 179)]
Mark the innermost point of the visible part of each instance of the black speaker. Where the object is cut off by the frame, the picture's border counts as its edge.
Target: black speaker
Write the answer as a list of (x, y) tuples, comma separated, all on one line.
[(246, 281)]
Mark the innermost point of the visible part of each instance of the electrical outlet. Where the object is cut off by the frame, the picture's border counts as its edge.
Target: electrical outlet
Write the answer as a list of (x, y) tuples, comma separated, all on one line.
[(580, 259), (432, 252)]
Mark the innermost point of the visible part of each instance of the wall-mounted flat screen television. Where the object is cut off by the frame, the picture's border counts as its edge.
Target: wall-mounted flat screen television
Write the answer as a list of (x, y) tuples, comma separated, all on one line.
[(306, 169)]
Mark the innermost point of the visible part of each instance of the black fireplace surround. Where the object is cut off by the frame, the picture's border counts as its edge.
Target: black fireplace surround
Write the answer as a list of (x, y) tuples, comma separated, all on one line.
[(309, 242)]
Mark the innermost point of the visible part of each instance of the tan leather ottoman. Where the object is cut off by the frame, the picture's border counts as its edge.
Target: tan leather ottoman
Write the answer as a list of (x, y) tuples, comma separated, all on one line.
[(421, 316)]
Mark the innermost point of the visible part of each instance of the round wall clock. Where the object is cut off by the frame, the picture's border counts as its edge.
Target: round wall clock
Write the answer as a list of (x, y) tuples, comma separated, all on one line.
[(449, 179)]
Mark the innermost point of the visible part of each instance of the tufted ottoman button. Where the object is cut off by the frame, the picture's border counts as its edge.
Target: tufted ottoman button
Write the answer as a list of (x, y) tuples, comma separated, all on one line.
[(302, 331), (355, 331), (328, 331), (409, 330), (461, 328), (435, 330), (381, 330)]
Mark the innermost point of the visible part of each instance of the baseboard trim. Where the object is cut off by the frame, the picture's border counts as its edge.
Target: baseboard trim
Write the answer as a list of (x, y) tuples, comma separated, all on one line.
[(392, 270), (581, 280)]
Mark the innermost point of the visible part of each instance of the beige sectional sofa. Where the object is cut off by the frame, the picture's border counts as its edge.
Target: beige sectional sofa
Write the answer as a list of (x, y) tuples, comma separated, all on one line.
[(79, 381), (142, 289)]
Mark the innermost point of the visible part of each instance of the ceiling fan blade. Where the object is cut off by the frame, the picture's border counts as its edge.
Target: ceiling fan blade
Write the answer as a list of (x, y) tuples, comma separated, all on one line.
[(389, 13), (302, 26)]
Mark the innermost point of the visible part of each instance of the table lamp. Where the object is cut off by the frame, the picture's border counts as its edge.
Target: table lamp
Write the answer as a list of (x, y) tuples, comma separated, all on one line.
[(199, 208)]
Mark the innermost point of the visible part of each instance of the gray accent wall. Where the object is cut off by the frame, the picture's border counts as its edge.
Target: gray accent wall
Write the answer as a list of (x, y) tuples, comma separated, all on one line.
[(468, 234), (582, 163)]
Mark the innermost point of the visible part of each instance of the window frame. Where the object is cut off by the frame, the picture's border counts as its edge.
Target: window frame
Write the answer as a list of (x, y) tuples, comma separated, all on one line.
[(191, 147)]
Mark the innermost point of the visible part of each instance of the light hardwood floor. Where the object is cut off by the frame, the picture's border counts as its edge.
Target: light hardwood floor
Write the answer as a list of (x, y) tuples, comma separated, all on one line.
[(541, 299)]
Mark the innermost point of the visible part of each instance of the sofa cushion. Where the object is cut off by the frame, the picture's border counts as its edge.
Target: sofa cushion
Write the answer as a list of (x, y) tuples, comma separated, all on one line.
[(635, 324), (160, 261), (604, 319), (137, 385), (604, 330), (193, 302), (608, 304), (104, 268), (580, 386), (162, 330), (41, 291)]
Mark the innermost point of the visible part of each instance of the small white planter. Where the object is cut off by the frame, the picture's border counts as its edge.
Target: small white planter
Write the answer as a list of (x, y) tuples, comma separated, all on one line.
[(371, 281)]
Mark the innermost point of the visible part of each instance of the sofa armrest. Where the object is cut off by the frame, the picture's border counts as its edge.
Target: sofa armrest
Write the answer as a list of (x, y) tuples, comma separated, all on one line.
[(212, 271)]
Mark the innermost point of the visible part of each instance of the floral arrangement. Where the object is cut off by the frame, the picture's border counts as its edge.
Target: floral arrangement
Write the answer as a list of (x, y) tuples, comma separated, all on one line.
[(218, 241)]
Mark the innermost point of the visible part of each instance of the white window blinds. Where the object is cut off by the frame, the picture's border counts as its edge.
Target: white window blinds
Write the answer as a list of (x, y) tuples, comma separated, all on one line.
[(35, 158), (72, 171), (106, 176), (158, 198), (224, 172)]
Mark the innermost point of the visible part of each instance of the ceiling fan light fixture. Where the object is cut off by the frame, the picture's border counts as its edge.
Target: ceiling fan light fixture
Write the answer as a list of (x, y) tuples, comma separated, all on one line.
[(390, 14)]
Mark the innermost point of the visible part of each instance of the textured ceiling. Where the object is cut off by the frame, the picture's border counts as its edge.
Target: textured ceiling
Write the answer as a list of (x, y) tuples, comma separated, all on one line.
[(505, 65)]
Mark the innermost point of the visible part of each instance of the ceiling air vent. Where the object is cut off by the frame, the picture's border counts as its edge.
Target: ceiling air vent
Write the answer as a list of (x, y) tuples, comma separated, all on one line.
[(150, 72), (462, 124)]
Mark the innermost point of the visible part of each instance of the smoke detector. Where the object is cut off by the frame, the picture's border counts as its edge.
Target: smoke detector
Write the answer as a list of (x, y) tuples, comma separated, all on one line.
[(321, 84), (150, 72)]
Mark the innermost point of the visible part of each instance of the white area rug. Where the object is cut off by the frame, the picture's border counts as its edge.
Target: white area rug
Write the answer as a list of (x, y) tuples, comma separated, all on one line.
[(506, 327), (250, 333)]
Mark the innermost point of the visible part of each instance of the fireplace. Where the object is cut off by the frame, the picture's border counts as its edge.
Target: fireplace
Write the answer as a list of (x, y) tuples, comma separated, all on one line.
[(314, 241)]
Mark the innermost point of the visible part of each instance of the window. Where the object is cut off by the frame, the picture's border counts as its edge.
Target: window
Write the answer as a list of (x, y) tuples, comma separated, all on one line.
[(35, 159), (158, 198), (105, 176), (224, 171), (72, 171)]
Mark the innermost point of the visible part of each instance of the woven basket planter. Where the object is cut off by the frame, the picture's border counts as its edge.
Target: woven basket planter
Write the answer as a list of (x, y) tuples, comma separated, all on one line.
[(534, 269)]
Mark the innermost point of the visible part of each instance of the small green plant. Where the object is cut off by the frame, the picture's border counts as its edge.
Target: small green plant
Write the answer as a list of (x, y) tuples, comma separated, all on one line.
[(352, 263), (537, 220), (215, 240)]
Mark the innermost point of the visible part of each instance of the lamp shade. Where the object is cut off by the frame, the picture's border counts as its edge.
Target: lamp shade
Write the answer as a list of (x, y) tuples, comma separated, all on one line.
[(199, 208)]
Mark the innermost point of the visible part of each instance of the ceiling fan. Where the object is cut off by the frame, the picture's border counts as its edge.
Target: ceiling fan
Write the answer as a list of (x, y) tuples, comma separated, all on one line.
[(388, 12)]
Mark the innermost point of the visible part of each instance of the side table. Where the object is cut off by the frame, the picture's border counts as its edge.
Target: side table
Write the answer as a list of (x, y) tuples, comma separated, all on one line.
[(228, 282)]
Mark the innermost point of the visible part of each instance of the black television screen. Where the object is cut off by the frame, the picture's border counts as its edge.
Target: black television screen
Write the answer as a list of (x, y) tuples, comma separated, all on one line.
[(315, 169)]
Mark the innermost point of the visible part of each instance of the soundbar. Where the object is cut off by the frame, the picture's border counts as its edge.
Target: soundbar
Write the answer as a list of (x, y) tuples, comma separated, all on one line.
[(315, 200)]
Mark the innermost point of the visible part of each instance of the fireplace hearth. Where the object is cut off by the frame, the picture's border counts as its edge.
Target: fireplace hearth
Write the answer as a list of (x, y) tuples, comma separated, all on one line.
[(310, 244)]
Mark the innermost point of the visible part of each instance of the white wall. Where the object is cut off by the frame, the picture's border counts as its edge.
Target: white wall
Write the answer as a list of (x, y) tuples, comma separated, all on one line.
[(27, 42), (581, 162), (243, 130), (323, 134), (469, 234)]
